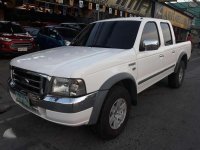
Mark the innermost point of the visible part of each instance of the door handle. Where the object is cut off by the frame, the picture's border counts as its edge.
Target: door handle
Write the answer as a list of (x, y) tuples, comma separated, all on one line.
[(173, 51), (161, 55)]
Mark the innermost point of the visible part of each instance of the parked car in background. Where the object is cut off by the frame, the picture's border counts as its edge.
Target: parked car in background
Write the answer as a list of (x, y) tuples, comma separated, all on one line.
[(14, 39), (33, 31), (77, 26), (55, 36)]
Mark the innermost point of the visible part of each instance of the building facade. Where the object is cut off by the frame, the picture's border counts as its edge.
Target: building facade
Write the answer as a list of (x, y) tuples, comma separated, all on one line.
[(81, 10), (181, 22)]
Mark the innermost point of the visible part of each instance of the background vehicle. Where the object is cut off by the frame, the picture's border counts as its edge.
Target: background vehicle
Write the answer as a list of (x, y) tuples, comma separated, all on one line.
[(14, 39), (55, 36), (33, 31), (96, 79), (77, 26)]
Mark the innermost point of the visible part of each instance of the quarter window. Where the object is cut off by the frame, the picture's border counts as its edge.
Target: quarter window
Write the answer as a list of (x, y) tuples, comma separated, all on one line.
[(166, 34)]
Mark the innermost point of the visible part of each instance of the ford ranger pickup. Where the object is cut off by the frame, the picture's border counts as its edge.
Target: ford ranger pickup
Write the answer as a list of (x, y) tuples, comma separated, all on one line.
[(96, 79)]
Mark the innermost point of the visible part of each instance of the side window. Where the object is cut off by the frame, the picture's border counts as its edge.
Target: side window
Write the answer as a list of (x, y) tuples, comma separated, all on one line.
[(44, 31), (150, 33), (53, 33), (166, 33)]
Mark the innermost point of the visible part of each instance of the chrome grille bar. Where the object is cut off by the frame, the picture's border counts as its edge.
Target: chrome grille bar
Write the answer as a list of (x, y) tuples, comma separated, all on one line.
[(29, 81)]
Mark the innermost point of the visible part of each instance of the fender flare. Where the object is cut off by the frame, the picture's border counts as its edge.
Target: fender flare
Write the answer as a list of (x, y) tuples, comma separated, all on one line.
[(179, 61), (103, 92)]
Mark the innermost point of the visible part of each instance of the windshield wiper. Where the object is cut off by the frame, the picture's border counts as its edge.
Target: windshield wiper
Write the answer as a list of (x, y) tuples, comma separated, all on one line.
[(100, 46)]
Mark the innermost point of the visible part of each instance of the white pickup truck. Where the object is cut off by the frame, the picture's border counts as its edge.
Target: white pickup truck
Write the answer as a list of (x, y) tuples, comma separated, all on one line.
[(95, 80)]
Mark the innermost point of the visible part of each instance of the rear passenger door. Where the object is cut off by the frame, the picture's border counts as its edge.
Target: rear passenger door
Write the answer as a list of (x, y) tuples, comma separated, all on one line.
[(149, 62), (168, 47)]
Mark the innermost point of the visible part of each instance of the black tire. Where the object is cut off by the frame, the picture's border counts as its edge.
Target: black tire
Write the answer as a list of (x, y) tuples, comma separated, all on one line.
[(174, 80), (103, 126)]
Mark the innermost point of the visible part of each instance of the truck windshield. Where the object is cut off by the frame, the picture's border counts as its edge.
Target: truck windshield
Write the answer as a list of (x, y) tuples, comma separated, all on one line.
[(110, 34)]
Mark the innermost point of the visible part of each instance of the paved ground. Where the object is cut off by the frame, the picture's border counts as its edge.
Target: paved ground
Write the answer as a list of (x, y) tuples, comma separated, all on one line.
[(164, 119)]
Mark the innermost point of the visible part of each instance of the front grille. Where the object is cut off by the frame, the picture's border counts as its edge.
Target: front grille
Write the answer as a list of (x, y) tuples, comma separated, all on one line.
[(21, 45), (29, 81)]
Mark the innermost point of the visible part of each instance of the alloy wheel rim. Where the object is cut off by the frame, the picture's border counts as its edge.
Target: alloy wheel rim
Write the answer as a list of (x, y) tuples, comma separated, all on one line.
[(117, 113)]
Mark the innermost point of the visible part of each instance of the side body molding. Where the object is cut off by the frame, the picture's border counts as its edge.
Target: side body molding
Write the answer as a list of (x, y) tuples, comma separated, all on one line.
[(104, 89)]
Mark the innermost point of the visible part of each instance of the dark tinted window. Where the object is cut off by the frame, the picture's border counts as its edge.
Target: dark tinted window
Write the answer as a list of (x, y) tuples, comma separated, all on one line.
[(166, 33), (67, 34), (32, 31), (44, 31), (5, 28), (11, 28), (17, 29), (150, 32), (111, 34), (82, 25), (53, 33)]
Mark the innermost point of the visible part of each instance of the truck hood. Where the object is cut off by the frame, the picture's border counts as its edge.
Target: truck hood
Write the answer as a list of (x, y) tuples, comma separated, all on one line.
[(65, 61)]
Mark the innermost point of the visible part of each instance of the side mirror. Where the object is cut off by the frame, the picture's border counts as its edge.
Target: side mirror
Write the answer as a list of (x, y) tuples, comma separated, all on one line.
[(150, 45)]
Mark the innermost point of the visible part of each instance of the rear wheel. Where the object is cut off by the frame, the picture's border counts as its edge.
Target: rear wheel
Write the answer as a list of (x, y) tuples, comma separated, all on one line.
[(175, 80), (114, 114)]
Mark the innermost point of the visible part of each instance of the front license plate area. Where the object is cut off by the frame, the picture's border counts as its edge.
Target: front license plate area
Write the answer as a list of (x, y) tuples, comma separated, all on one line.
[(23, 99), (22, 49)]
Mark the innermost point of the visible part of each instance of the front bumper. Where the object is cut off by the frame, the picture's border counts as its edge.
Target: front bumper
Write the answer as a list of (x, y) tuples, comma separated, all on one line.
[(6, 47), (66, 111)]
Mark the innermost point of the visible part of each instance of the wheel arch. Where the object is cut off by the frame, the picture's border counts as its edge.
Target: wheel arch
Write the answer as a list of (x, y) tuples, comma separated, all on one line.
[(123, 79), (183, 57)]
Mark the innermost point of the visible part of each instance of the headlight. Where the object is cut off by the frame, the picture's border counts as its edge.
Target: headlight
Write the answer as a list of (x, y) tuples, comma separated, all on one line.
[(68, 87), (5, 39)]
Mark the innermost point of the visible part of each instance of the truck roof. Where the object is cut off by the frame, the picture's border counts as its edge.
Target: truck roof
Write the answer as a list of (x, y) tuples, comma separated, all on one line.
[(132, 19)]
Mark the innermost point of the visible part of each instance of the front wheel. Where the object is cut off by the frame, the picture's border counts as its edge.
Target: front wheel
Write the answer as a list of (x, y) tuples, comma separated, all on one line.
[(175, 80), (114, 114)]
